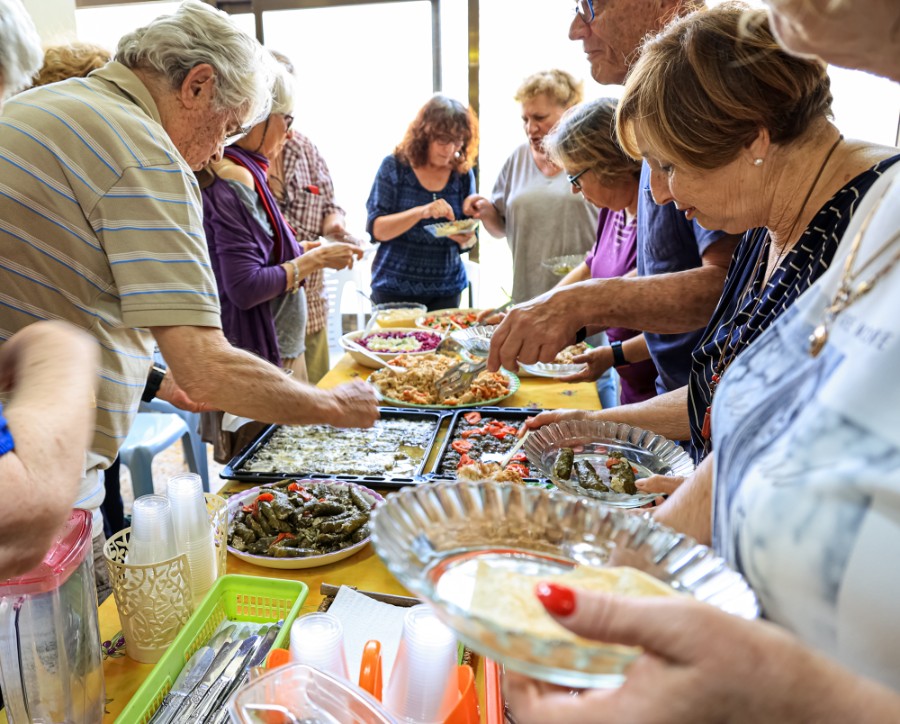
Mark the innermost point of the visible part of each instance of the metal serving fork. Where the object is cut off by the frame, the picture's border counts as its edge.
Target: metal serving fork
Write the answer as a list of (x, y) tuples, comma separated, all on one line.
[(458, 378)]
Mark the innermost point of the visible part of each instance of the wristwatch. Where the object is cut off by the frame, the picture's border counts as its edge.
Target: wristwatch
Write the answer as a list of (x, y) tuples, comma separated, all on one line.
[(618, 355), (154, 380)]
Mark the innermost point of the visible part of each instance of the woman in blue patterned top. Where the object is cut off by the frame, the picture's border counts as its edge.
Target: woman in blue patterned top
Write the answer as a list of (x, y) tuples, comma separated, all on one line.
[(425, 181), (738, 134)]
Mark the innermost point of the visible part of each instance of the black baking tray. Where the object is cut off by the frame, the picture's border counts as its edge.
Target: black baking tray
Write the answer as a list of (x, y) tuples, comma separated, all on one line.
[(506, 414), (232, 470)]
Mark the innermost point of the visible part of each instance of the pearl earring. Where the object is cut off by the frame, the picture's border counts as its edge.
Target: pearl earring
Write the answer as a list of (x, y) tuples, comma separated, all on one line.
[(758, 162)]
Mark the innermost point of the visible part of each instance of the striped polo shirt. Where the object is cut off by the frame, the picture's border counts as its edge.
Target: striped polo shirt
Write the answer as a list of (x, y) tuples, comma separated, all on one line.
[(101, 225)]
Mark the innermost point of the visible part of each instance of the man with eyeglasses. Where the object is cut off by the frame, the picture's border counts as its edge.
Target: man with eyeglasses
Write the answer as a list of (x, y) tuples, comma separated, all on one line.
[(103, 228), (681, 266)]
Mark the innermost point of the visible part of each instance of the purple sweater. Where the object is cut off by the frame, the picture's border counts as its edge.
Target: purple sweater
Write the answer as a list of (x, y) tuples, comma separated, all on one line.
[(240, 250), (614, 255)]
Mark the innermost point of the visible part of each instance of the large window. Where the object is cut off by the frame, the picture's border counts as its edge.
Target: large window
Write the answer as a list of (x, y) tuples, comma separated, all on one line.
[(364, 70)]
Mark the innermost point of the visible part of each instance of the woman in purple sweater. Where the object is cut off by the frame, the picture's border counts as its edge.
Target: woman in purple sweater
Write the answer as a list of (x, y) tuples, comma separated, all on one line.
[(258, 263), (584, 144)]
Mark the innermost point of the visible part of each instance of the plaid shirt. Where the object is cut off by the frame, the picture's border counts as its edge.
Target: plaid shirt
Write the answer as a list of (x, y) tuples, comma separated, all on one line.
[(303, 167)]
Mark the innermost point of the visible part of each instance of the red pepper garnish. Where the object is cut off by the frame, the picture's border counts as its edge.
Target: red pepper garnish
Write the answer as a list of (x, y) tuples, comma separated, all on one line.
[(610, 462), (463, 461), (283, 536), (519, 458), (473, 418), (295, 487), (473, 432), (520, 469), (265, 498), (461, 446)]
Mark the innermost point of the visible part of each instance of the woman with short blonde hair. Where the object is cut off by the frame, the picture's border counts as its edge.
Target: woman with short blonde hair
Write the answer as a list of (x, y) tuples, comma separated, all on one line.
[(531, 203)]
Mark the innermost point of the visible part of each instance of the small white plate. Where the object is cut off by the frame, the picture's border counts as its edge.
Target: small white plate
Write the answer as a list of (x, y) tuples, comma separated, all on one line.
[(548, 369)]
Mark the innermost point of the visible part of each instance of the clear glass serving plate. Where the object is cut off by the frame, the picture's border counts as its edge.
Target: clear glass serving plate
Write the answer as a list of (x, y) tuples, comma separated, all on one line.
[(593, 440), (562, 265), (432, 538), (476, 339)]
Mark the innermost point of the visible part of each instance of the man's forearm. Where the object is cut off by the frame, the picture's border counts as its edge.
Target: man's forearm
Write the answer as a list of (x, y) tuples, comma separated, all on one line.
[(211, 371), (662, 303), (666, 414)]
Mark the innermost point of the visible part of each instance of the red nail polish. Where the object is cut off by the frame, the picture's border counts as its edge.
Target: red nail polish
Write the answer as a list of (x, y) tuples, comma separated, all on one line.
[(558, 600)]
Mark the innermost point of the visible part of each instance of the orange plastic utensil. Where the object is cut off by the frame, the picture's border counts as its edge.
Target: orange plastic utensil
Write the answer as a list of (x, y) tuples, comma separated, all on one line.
[(370, 669), (278, 657), (466, 709), (493, 695)]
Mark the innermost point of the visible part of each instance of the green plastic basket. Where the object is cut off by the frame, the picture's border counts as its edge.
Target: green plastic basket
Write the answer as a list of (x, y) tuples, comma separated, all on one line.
[(236, 598)]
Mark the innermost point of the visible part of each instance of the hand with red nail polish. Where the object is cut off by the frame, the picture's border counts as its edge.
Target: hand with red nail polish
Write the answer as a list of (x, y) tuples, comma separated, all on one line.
[(699, 666), (558, 600)]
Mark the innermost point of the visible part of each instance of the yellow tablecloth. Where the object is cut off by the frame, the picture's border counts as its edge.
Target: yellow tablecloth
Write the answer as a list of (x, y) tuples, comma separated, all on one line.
[(363, 570)]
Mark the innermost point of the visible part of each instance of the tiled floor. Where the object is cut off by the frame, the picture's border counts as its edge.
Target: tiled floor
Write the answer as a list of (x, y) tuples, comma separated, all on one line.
[(168, 463)]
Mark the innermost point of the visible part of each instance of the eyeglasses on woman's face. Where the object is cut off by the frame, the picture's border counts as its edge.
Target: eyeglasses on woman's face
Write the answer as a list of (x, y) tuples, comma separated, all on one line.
[(288, 122), (584, 9), (573, 178)]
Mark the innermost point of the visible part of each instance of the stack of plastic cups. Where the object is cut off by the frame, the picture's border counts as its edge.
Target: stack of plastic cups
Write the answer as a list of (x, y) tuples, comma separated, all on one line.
[(152, 537), (423, 683), (317, 640), (193, 531)]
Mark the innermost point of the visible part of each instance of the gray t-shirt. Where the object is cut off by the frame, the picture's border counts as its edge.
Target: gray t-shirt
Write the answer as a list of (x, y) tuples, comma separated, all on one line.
[(543, 219)]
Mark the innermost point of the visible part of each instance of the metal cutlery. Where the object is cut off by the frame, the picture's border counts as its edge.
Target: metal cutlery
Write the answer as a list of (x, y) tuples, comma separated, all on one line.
[(211, 697), (257, 659), (193, 671), (189, 705)]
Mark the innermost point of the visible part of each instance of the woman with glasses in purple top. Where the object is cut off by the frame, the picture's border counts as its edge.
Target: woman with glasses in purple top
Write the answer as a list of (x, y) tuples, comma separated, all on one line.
[(584, 144)]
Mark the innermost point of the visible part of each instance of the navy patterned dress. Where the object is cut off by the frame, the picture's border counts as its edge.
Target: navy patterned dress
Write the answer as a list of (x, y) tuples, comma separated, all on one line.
[(745, 315), (416, 265)]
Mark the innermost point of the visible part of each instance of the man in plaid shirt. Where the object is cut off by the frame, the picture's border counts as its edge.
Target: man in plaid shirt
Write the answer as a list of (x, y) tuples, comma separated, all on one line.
[(301, 182)]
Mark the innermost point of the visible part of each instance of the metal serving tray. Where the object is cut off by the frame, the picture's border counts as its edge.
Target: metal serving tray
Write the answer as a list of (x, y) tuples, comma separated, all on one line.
[(511, 415), (233, 471)]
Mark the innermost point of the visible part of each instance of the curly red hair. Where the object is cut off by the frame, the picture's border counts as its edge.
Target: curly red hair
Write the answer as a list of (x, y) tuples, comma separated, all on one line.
[(440, 117)]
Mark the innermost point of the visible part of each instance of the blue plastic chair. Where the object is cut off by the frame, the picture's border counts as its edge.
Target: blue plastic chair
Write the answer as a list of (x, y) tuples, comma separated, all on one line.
[(150, 434), (192, 420)]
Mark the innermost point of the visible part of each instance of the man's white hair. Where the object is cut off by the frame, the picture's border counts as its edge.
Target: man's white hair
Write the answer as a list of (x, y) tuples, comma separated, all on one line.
[(171, 45), (20, 48)]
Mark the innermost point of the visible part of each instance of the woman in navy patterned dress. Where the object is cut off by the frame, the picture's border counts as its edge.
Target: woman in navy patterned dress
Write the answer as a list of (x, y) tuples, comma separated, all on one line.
[(425, 181)]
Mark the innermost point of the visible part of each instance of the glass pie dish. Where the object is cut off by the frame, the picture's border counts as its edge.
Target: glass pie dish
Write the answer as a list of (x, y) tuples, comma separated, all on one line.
[(435, 539), (476, 339), (450, 228), (562, 265), (592, 441)]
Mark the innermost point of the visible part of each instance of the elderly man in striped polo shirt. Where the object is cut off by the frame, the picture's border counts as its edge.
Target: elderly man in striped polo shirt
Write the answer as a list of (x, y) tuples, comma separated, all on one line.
[(102, 225)]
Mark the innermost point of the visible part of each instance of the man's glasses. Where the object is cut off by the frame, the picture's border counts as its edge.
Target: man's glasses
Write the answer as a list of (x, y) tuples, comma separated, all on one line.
[(584, 9), (573, 179), (236, 135)]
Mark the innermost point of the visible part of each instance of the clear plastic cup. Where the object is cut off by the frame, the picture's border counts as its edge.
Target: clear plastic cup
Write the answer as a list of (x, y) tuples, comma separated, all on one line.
[(152, 537), (317, 640), (423, 684), (189, 514), (203, 563)]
